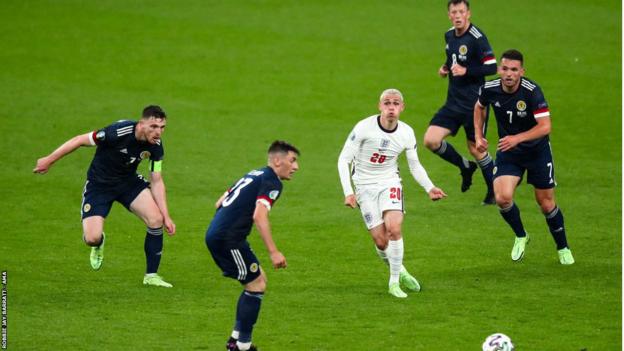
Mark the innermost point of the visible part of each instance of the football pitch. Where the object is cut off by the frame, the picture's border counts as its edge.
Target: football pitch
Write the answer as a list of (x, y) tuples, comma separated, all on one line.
[(235, 75)]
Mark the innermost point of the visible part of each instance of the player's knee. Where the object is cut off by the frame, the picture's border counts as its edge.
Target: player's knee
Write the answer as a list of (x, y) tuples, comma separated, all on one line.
[(394, 232), (381, 242), (547, 205), (476, 153), (262, 285), (155, 221), (432, 143), (92, 239), (258, 285), (504, 200)]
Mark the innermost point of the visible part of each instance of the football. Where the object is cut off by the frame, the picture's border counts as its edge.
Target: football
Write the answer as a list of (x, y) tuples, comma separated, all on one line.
[(497, 342)]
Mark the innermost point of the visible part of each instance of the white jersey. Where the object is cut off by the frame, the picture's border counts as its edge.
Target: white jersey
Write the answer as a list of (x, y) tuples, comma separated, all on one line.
[(373, 152)]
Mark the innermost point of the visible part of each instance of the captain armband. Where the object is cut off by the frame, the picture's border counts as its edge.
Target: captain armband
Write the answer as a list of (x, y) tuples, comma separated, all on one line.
[(156, 166)]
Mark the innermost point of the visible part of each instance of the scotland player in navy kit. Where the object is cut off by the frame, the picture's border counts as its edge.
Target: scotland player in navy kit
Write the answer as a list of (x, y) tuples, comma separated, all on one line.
[(523, 120), (112, 176), (469, 58), (248, 202)]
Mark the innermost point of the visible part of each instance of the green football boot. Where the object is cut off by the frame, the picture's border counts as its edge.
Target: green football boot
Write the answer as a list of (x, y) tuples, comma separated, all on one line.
[(409, 281), (565, 256), (97, 255), (154, 279), (517, 253), (395, 290)]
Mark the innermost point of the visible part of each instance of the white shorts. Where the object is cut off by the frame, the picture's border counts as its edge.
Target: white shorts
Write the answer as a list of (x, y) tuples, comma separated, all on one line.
[(374, 200)]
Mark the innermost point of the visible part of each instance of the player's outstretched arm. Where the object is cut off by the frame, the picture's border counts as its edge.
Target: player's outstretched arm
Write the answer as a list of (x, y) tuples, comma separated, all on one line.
[(261, 220), (44, 163), (160, 197)]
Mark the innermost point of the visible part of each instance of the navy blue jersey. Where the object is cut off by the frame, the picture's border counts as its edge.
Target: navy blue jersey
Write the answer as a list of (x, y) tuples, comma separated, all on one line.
[(233, 220), (119, 153), (471, 50), (516, 112)]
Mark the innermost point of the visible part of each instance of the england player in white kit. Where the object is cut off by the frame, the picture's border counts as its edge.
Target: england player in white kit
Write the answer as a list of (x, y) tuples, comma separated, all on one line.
[(372, 149)]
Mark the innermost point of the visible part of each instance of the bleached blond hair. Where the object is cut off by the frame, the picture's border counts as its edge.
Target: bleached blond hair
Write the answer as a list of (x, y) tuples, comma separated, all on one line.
[(390, 91)]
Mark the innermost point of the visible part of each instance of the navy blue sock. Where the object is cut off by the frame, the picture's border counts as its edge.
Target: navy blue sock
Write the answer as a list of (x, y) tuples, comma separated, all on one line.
[(247, 313), (153, 248), (555, 223), (511, 215), (237, 325), (487, 169), (448, 153)]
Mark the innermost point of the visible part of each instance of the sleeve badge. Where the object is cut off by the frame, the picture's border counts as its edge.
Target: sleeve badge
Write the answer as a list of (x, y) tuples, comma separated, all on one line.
[(100, 135), (274, 194)]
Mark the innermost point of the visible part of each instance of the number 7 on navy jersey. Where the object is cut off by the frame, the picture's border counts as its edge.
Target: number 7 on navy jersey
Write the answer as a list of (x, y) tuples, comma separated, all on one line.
[(235, 191)]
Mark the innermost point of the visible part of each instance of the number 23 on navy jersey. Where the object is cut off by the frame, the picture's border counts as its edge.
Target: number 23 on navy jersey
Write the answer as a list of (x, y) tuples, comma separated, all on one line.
[(234, 219)]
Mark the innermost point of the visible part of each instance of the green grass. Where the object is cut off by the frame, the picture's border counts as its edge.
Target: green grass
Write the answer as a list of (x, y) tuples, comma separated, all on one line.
[(235, 75)]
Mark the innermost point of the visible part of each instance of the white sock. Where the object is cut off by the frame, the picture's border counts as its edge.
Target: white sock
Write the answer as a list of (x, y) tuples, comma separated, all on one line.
[(382, 254), (395, 259), (235, 334), (243, 345), (384, 257)]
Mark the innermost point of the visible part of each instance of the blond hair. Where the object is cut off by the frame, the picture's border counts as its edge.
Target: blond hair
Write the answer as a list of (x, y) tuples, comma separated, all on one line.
[(391, 91)]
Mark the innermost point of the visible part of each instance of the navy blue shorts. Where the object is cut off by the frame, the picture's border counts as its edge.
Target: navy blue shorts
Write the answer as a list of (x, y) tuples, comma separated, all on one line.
[(237, 261), (538, 164), (452, 120), (97, 199)]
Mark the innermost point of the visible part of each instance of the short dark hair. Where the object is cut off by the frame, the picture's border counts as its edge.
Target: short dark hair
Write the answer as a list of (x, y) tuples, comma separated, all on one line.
[(154, 111), (513, 54), (457, 2), (282, 146)]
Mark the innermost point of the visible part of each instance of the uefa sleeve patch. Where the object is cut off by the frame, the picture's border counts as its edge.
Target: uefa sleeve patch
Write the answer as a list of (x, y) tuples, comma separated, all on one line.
[(274, 194), (100, 135)]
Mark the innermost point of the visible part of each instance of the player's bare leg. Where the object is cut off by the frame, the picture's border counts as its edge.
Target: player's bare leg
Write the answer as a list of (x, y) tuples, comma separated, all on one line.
[(380, 238), (486, 164), (144, 207), (93, 235), (435, 141)]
